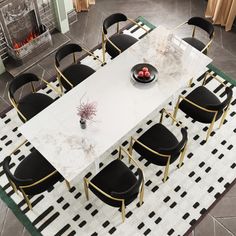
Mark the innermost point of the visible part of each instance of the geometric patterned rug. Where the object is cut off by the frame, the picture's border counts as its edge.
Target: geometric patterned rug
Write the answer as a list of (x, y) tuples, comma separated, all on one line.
[(169, 208)]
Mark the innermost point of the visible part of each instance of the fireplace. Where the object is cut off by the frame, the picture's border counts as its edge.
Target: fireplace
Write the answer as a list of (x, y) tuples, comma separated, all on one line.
[(24, 34)]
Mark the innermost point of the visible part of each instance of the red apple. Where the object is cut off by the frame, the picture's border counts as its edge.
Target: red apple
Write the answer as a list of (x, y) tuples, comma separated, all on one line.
[(140, 73), (144, 69), (147, 74)]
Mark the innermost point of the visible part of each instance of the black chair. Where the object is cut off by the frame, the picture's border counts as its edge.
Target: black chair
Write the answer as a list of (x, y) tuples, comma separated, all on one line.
[(31, 104), (118, 42), (76, 72), (116, 184), (204, 25), (32, 176), (204, 106), (159, 146)]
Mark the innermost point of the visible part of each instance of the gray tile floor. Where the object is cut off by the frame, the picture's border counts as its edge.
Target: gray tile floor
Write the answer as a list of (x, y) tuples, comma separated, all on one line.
[(221, 220)]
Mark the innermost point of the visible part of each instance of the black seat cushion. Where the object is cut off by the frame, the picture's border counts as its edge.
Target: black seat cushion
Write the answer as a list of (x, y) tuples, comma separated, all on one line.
[(122, 41), (156, 138), (76, 73), (115, 177), (196, 44), (202, 97), (36, 167), (32, 104)]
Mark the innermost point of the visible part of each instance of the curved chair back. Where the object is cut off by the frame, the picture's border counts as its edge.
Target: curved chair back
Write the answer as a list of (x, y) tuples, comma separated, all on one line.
[(112, 19), (65, 50), (129, 195), (132, 192), (29, 186), (225, 103), (174, 151), (18, 182), (19, 81), (203, 24)]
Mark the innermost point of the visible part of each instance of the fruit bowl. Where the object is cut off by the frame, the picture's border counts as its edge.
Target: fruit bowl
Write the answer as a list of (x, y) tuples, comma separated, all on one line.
[(144, 73)]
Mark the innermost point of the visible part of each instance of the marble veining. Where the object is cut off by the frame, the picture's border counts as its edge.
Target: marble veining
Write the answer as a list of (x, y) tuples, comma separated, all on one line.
[(121, 103)]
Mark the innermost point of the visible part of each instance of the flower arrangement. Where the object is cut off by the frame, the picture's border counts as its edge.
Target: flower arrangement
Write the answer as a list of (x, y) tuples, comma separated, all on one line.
[(87, 111)]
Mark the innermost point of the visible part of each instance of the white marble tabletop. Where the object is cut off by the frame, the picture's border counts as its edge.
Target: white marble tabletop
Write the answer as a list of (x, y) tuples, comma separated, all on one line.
[(121, 102)]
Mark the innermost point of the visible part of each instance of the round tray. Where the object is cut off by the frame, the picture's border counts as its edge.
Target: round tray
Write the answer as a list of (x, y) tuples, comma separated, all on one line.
[(135, 69)]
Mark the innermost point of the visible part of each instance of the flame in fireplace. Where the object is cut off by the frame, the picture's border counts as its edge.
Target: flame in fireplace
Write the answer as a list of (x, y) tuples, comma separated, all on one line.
[(30, 37)]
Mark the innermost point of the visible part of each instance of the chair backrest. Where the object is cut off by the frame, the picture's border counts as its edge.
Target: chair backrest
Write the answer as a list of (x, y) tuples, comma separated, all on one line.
[(21, 80), (221, 106), (173, 151), (133, 190), (65, 50), (203, 24), (112, 19), (18, 182)]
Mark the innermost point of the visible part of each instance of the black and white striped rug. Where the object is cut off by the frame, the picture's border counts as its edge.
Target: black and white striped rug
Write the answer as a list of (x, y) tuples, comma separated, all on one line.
[(169, 208)]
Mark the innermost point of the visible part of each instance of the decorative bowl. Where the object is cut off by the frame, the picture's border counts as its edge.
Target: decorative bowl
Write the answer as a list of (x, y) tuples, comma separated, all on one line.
[(152, 70)]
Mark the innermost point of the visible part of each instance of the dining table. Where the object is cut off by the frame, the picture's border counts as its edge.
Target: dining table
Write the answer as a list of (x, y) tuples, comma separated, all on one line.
[(121, 102)]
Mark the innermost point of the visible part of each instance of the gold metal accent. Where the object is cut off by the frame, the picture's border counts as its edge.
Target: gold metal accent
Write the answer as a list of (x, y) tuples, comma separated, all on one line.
[(92, 54), (68, 184), (178, 26), (117, 27), (194, 30), (141, 192), (224, 114), (14, 104), (202, 108), (134, 22), (74, 57), (159, 155), (181, 159), (190, 82), (123, 210), (32, 87), (52, 87), (171, 116), (193, 35), (13, 185), (103, 48), (26, 198), (105, 39), (166, 172), (60, 75)]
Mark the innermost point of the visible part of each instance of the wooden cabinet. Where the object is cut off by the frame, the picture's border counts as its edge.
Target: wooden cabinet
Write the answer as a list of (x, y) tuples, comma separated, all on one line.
[(83, 5)]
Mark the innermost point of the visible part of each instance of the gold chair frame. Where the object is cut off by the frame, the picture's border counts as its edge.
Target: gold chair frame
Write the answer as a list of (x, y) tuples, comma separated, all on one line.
[(60, 74), (181, 159), (122, 201), (226, 109), (21, 188), (105, 38), (15, 104), (193, 35)]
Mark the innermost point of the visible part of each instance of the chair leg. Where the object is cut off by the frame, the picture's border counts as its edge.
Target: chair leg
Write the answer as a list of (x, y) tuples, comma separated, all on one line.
[(190, 82), (211, 127), (223, 117), (103, 49), (86, 189), (60, 84), (68, 184), (176, 110), (141, 194), (26, 199), (130, 146), (13, 186), (181, 159), (123, 211), (166, 173)]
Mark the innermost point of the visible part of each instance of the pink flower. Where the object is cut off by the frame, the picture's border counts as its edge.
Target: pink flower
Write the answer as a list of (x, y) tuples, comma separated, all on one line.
[(87, 110)]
